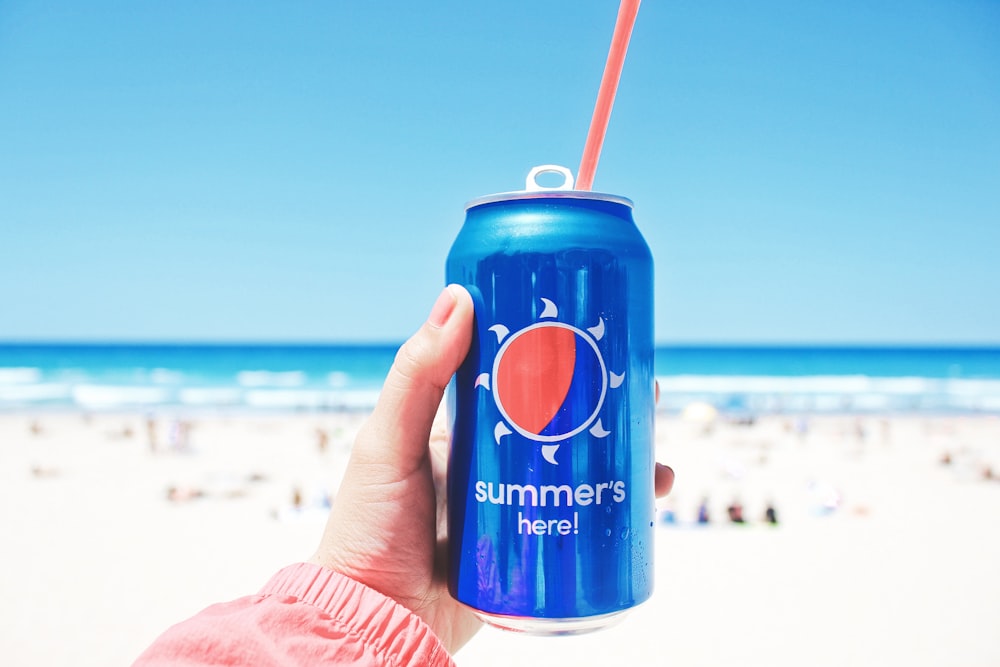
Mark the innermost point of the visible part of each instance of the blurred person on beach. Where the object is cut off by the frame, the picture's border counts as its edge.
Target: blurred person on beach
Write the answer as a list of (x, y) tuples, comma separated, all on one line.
[(735, 511), (322, 440), (151, 433), (668, 515), (771, 515), (703, 517), (179, 436), (374, 593)]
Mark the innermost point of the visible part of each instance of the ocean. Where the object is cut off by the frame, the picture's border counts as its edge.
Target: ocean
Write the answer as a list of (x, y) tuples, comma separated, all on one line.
[(275, 377)]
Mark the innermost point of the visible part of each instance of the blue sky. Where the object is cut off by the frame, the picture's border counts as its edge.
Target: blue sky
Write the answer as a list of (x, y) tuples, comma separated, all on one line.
[(803, 172)]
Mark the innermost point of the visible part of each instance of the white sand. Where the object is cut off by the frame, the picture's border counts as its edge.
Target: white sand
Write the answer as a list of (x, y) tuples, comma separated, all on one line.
[(96, 561)]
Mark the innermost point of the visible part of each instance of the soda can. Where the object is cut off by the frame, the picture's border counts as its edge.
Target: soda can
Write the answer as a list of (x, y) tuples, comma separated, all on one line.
[(550, 478)]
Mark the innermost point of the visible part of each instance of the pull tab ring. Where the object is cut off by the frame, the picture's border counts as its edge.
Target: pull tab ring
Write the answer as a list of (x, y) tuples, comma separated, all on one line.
[(532, 185)]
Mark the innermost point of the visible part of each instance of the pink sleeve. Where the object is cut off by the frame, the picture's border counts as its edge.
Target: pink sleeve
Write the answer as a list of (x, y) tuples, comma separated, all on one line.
[(306, 615)]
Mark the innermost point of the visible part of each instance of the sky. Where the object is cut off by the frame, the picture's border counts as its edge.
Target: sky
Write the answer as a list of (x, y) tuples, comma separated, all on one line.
[(805, 173)]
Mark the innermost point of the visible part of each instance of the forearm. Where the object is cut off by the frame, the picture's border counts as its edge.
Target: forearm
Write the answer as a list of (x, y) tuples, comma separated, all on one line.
[(305, 615)]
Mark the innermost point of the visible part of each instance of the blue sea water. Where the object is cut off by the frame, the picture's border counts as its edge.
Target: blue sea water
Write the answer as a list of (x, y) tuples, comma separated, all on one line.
[(262, 377)]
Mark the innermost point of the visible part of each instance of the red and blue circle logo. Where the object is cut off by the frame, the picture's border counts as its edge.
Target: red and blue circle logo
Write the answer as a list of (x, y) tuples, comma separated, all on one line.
[(549, 381)]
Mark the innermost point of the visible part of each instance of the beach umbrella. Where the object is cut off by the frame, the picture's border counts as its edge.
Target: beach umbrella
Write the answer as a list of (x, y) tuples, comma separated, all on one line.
[(700, 412)]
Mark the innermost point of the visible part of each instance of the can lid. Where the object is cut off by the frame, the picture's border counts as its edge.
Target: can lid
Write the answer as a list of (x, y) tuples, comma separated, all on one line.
[(534, 190)]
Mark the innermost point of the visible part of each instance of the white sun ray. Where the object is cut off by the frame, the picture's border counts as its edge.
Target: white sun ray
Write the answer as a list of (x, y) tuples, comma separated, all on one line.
[(501, 331), (598, 430), (483, 380), (597, 331), (500, 431), (549, 453), (616, 380), (549, 310)]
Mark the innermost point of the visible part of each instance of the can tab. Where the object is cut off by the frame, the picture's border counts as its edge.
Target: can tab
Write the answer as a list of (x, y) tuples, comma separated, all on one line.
[(531, 184)]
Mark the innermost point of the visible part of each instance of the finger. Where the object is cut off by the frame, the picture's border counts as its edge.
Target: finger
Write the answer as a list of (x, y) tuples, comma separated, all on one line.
[(398, 429), (664, 480)]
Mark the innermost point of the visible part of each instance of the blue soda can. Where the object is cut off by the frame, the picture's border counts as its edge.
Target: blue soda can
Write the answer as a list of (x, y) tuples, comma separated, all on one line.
[(550, 479)]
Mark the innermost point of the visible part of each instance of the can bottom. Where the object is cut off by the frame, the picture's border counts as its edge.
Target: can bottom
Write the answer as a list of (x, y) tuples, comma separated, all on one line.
[(551, 627)]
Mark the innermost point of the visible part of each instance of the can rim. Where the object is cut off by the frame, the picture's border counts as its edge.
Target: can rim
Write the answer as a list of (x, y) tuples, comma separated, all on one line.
[(549, 194)]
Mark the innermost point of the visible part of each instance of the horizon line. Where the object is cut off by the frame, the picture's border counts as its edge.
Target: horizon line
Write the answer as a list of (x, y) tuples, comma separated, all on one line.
[(208, 342)]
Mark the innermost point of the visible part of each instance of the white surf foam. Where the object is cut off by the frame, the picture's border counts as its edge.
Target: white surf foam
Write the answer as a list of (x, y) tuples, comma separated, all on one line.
[(20, 375)]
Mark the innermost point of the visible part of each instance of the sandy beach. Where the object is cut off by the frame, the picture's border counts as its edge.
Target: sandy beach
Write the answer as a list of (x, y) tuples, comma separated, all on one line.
[(885, 549)]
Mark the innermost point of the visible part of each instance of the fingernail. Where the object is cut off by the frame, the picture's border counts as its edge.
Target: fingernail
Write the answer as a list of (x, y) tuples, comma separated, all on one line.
[(442, 308)]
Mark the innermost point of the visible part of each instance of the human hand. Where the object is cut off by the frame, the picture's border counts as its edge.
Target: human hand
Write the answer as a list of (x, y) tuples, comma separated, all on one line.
[(387, 527)]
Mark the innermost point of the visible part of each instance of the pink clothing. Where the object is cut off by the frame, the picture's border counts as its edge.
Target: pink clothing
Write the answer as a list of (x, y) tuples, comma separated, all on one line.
[(306, 615)]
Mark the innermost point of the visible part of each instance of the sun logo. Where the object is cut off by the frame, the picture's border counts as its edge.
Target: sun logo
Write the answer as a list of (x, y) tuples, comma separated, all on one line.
[(549, 381)]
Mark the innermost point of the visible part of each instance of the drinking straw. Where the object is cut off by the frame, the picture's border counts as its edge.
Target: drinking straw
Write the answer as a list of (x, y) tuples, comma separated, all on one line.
[(606, 95)]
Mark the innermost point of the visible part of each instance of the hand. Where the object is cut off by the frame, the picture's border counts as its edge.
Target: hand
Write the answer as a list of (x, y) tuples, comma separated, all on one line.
[(387, 526)]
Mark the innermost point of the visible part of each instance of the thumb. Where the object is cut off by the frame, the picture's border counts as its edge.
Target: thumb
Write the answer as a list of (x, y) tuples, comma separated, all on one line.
[(401, 421)]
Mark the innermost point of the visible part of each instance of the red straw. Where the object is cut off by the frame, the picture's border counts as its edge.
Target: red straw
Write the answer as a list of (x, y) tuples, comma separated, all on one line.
[(606, 96)]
